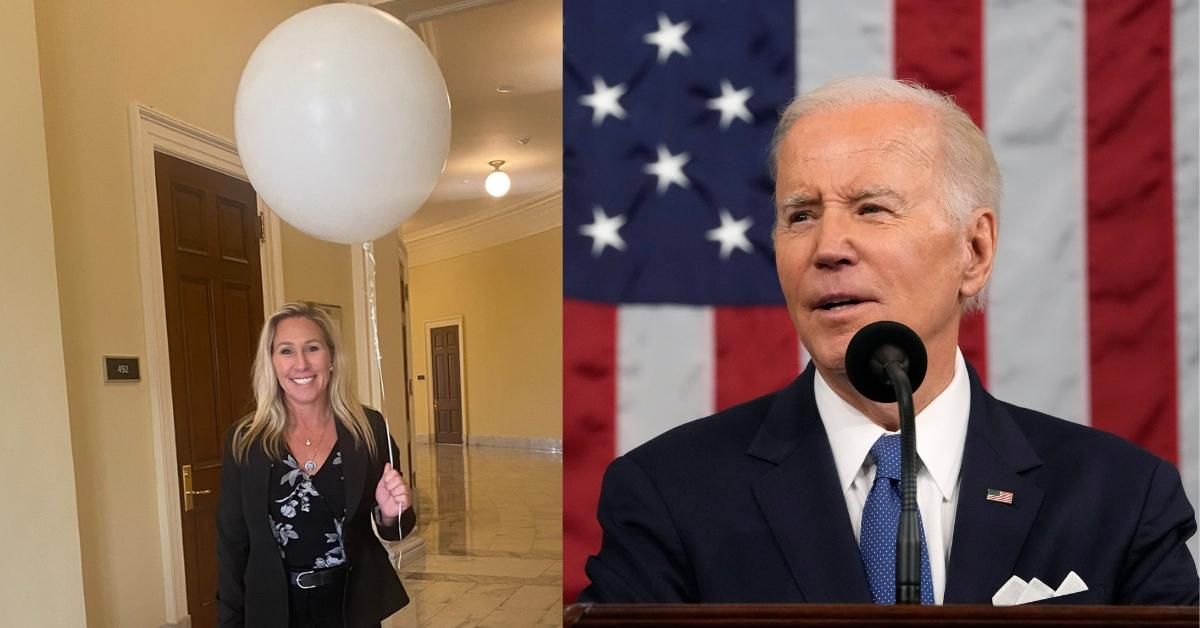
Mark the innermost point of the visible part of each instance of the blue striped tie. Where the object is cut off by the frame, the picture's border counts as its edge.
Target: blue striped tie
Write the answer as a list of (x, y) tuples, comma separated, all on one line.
[(881, 517)]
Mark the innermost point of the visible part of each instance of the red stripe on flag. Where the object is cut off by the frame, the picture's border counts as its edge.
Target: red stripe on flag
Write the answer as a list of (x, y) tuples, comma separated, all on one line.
[(589, 429), (1130, 223), (939, 44), (757, 352)]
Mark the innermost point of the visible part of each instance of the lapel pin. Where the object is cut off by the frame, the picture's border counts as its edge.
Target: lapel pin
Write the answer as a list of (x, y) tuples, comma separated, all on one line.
[(1003, 497)]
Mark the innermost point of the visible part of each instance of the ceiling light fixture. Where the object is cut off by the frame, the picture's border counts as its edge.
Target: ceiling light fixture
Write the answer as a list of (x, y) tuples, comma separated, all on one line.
[(497, 183)]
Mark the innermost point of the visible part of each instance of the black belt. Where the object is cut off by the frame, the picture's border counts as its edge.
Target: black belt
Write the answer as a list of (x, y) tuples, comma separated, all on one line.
[(314, 579)]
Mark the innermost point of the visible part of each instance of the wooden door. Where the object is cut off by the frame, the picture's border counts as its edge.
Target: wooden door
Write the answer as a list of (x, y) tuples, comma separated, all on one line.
[(447, 388), (209, 231)]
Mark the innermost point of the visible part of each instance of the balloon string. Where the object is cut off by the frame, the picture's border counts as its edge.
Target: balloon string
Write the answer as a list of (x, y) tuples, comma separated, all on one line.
[(369, 251)]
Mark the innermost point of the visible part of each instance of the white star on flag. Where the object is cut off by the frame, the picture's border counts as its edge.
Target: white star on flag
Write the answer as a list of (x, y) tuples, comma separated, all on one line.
[(668, 169), (604, 101), (732, 104), (732, 234), (604, 231), (669, 38)]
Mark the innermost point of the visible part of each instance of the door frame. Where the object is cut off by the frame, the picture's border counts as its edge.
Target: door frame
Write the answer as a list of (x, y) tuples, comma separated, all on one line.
[(368, 384), (151, 130), (462, 375), (369, 391)]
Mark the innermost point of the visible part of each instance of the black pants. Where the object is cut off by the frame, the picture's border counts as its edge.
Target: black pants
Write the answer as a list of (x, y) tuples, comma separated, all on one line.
[(320, 607), (316, 608)]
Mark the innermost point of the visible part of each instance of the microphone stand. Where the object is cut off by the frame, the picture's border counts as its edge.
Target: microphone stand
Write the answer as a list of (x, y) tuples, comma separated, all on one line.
[(886, 361), (908, 537)]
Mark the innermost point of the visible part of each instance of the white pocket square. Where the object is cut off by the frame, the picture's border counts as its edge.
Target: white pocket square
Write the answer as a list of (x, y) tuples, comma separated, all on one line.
[(1017, 591)]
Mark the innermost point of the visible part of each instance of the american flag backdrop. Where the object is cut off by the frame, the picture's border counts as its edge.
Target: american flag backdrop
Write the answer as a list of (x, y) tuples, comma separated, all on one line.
[(672, 309)]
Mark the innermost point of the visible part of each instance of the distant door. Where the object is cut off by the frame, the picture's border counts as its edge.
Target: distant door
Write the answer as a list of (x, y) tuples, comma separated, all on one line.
[(209, 231), (447, 387)]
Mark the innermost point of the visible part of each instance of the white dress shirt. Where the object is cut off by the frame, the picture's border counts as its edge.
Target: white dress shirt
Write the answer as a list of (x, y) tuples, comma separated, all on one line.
[(941, 435)]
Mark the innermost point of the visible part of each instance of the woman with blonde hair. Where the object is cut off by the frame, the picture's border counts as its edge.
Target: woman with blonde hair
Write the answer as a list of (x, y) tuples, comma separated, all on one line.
[(303, 478)]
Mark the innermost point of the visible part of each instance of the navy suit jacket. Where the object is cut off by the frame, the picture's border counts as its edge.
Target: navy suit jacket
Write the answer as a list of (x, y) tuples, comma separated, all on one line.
[(745, 506)]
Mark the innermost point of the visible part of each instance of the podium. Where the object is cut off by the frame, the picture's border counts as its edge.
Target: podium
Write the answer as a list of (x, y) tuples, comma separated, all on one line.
[(711, 615)]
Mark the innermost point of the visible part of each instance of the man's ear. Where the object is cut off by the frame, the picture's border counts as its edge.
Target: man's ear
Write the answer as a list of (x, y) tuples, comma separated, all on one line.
[(980, 249)]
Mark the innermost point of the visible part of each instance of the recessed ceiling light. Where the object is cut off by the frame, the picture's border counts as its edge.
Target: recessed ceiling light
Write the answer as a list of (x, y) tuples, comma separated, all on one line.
[(505, 89)]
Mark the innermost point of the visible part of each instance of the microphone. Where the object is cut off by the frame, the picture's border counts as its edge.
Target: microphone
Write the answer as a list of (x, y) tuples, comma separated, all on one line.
[(886, 362), (876, 346)]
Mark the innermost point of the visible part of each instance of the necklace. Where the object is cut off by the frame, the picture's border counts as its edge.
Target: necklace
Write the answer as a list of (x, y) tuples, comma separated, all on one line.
[(310, 465)]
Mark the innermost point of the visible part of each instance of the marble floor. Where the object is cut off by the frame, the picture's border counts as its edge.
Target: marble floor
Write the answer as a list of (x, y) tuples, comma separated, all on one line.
[(491, 519)]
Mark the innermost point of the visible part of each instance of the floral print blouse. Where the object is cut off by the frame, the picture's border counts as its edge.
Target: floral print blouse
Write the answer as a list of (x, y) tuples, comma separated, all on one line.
[(306, 513)]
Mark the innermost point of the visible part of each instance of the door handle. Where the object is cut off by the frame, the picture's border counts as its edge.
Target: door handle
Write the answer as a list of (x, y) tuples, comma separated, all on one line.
[(189, 500)]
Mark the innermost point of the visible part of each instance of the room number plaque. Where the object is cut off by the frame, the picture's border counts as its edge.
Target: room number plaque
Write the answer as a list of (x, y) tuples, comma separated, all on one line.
[(121, 369)]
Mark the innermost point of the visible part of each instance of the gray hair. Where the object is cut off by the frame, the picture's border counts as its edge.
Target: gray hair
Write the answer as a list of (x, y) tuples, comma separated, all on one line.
[(970, 176)]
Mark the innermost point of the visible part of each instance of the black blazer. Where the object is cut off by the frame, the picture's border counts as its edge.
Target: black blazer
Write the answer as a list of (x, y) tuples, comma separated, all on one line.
[(745, 506), (252, 588)]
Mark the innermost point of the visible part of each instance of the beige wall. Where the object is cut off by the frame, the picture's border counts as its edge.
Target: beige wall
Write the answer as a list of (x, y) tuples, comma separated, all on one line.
[(510, 298), (183, 58), (38, 521), (314, 270)]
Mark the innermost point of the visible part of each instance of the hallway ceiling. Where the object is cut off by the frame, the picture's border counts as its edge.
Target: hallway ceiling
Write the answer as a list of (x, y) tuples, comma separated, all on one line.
[(483, 46)]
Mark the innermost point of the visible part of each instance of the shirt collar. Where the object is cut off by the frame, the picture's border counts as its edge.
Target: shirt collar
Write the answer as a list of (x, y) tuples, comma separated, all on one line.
[(941, 430)]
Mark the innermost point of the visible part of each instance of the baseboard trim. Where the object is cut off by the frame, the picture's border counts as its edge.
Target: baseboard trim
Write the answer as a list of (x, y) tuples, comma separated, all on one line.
[(553, 445), (514, 442)]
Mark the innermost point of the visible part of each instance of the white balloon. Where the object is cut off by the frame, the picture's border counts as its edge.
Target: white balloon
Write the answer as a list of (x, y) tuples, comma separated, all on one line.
[(342, 122)]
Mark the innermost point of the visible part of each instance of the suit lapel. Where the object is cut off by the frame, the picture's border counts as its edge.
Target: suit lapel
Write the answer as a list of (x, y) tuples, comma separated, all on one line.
[(354, 466), (988, 535), (802, 500)]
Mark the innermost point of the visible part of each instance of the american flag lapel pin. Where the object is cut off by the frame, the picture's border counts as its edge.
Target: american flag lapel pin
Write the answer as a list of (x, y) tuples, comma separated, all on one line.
[(1004, 497)]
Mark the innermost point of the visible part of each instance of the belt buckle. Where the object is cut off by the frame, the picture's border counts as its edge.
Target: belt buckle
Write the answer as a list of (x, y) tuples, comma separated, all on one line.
[(301, 575)]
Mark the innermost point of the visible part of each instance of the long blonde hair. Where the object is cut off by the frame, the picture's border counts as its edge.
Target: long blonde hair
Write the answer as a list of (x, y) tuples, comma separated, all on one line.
[(269, 420)]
